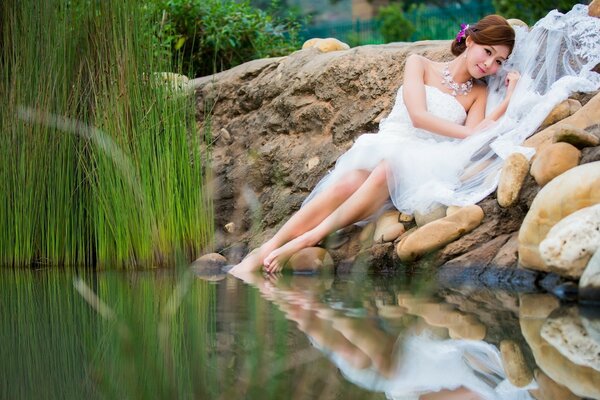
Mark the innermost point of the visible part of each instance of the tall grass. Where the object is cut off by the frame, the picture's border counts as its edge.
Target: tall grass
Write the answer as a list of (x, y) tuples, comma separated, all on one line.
[(99, 160)]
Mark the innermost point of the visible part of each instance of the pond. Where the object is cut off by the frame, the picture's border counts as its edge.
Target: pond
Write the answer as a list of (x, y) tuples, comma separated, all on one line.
[(169, 334)]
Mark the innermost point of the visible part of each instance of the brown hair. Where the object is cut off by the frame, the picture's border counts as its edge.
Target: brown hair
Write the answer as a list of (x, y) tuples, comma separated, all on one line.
[(490, 30)]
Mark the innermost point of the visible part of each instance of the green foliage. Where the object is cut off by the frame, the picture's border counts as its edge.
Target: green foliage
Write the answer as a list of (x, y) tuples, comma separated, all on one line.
[(395, 27), (530, 11), (209, 36), (99, 160)]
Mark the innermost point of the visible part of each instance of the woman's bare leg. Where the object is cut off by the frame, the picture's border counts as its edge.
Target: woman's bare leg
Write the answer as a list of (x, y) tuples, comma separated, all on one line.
[(365, 201), (305, 219)]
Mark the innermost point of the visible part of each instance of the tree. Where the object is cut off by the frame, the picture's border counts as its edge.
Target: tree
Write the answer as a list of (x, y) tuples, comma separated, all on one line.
[(531, 10)]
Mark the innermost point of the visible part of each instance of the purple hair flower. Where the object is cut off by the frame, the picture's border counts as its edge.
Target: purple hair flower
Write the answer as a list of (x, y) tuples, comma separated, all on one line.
[(462, 33)]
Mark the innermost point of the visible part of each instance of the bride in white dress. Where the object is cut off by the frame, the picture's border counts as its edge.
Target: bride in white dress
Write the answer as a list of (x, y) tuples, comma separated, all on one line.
[(441, 142)]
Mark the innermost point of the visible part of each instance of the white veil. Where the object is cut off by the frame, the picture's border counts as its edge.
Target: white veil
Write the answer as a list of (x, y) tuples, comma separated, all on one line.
[(555, 59)]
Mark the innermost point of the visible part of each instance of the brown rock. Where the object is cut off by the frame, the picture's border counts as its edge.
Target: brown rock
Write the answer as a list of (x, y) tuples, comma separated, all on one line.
[(553, 160), (515, 366), (451, 210), (578, 137), (438, 233), (513, 175), (594, 8), (480, 256), (310, 259), (573, 190), (325, 45), (560, 112), (537, 306), (587, 116), (507, 256), (436, 213), (386, 226), (406, 217), (517, 22), (210, 267)]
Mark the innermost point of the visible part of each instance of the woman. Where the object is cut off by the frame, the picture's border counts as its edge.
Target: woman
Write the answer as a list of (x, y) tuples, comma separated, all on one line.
[(426, 151), (445, 101)]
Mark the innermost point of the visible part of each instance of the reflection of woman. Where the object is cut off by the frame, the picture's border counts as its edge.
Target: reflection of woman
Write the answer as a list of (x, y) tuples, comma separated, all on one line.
[(414, 366), (426, 151)]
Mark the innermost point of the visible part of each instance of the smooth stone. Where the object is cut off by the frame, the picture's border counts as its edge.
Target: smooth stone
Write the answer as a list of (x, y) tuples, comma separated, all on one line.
[(587, 116), (594, 9), (515, 366), (325, 45), (554, 160), (577, 137), (366, 235), (386, 220), (451, 210), (561, 111), (567, 334), (439, 233), (571, 243), (230, 227), (537, 306), (406, 217), (436, 213), (513, 174), (209, 266), (310, 259), (225, 136), (517, 22), (589, 284), (572, 191)]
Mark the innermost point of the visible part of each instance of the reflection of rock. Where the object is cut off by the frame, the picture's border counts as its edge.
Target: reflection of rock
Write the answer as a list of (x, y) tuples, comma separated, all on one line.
[(571, 191), (580, 380), (567, 334), (513, 361), (589, 284), (550, 390)]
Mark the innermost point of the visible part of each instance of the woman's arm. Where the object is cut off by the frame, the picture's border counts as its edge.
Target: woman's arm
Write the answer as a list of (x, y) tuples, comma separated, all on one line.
[(511, 81), (416, 103)]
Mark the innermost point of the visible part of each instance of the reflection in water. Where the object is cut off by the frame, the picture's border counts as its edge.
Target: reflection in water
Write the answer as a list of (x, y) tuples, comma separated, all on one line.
[(393, 351)]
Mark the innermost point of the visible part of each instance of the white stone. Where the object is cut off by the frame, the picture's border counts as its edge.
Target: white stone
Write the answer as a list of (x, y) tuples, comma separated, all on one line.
[(572, 241)]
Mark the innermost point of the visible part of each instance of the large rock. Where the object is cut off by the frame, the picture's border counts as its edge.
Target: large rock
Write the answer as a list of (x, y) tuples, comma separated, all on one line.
[(587, 116), (571, 243), (571, 191), (438, 233), (513, 174), (388, 227), (553, 160), (594, 8), (578, 137), (560, 112), (515, 366)]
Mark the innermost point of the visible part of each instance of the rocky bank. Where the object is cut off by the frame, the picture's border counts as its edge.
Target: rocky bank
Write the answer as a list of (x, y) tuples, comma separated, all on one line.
[(278, 125)]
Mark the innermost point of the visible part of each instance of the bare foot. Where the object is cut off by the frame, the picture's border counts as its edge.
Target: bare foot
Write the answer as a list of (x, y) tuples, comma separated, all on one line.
[(275, 261), (253, 262)]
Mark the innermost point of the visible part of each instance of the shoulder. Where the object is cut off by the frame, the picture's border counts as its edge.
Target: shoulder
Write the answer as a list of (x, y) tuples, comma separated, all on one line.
[(416, 60)]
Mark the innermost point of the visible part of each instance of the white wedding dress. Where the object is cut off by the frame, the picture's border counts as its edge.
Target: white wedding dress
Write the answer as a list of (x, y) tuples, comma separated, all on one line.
[(555, 59)]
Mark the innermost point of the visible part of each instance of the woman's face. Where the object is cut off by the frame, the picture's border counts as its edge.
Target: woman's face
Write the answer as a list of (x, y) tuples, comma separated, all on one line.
[(484, 60)]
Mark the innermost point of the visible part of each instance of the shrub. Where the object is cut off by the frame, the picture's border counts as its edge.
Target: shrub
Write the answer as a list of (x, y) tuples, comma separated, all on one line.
[(209, 36), (395, 27)]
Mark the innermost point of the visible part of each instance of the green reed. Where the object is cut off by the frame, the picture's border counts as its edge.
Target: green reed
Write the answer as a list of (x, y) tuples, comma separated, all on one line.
[(99, 157)]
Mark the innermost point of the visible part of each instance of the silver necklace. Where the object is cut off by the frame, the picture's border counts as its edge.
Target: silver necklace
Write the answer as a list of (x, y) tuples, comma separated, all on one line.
[(457, 88)]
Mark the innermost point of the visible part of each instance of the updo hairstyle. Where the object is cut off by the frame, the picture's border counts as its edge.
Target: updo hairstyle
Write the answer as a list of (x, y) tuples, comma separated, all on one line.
[(489, 31)]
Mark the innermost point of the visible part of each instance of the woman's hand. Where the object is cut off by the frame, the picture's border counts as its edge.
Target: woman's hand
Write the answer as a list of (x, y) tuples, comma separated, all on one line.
[(511, 82)]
